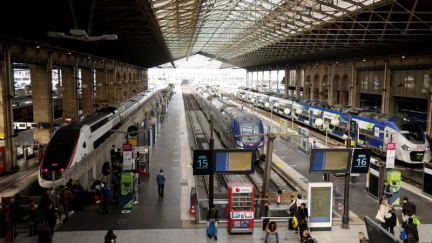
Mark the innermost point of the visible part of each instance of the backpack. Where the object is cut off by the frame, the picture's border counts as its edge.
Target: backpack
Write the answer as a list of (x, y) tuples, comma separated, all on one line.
[(312, 240), (413, 207), (293, 207), (403, 235)]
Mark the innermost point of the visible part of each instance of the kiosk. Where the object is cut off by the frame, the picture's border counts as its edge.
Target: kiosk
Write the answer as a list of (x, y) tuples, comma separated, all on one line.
[(241, 208), (376, 175), (394, 180), (125, 199), (142, 160)]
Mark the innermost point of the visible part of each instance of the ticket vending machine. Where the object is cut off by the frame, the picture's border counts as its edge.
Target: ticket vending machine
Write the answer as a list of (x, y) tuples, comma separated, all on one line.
[(125, 199), (394, 180), (241, 208)]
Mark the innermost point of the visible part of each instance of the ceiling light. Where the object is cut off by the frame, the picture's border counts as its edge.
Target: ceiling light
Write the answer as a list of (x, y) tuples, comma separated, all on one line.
[(103, 60), (364, 60), (403, 56), (37, 47), (337, 62), (70, 53), (89, 57), (78, 34)]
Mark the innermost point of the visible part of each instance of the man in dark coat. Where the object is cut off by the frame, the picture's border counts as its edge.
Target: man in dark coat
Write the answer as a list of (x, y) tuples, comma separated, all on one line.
[(411, 232), (15, 213), (390, 219), (113, 155), (106, 171), (302, 217)]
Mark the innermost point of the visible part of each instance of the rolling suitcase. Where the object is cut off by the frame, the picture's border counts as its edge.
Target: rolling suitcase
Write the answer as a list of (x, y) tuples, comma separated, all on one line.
[(44, 235)]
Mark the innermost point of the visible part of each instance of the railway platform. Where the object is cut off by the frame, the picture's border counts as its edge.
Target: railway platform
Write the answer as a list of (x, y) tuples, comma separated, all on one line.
[(167, 220)]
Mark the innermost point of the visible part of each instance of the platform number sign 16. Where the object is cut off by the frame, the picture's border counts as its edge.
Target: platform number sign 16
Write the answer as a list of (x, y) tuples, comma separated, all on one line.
[(202, 162), (361, 160)]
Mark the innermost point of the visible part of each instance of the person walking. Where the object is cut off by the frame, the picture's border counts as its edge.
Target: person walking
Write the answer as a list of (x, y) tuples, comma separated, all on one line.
[(272, 229), (106, 171), (64, 200), (295, 205), (382, 211), (50, 215), (390, 219), (408, 210), (135, 186), (212, 219), (411, 232), (110, 237), (362, 238), (160, 178)]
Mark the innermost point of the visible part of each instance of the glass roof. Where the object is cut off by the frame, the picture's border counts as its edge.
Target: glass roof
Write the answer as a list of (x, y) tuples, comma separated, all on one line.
[(253, 32)]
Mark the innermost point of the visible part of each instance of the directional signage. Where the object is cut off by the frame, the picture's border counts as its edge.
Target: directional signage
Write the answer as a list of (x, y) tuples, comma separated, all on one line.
[(391, 153), (353, 128), (360, 160), (202, 162)]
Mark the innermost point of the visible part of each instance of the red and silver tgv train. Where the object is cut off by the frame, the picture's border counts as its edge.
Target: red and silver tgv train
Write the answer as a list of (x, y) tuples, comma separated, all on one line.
[(72, 142)]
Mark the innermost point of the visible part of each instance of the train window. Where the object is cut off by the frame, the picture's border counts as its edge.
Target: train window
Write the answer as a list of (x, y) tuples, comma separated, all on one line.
[(84, 145)]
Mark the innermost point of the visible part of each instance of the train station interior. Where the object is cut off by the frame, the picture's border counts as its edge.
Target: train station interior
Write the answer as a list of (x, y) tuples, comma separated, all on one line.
[(230, 103)]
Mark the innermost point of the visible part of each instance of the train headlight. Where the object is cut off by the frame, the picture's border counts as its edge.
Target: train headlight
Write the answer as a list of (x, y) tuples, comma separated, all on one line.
[(239, 143), (428, 148), (406, 148), (261, 143)]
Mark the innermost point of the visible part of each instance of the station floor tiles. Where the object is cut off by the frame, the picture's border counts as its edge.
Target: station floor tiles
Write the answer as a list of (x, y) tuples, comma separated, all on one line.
[(199, 236)]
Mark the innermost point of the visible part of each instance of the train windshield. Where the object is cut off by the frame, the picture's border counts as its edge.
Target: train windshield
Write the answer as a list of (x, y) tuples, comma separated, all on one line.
[(410, 130), (248, 128), (60, 149)]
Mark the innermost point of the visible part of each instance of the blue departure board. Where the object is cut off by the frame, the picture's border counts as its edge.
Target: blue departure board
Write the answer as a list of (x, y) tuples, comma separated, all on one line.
[(330, 161), (235, 161)]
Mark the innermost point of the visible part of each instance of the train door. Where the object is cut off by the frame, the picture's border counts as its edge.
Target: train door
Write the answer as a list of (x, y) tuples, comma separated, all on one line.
[(311, 118)]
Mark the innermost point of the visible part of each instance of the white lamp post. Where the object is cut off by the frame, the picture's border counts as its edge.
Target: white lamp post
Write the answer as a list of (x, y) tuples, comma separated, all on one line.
[(287, 111), (325, 125)]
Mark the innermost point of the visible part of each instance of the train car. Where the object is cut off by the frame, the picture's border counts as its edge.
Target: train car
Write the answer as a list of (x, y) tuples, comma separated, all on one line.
[(231, 121), (374, 130), (72, 142)]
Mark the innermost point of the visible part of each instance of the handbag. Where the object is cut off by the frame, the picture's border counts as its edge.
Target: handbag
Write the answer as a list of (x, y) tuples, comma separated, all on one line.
[(397, 222), (403, 235), (379, 217), (416, 221)]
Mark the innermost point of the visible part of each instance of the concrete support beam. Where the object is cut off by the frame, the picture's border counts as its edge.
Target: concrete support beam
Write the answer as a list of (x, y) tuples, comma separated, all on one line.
[(354, 96), (69, 83), (298, 83), (41, 80), (110, 88), (87, 77), (331, 100), (429, 109), (387, 101), (6, 112)]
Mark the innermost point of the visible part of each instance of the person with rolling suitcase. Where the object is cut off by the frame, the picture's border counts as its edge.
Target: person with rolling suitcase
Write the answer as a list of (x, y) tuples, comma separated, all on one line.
[(45, 234)]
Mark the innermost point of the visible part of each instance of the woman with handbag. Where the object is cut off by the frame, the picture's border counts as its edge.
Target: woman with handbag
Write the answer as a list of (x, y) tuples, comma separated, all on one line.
[(382, 211)]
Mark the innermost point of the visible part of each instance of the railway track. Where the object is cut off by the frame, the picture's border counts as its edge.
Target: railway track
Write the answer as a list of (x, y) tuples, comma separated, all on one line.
[(201, 140), (276, 181), (408, 172)]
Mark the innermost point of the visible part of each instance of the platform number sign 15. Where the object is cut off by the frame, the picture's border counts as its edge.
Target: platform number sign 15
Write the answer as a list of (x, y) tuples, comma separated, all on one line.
[(202, 162), (360, 161)]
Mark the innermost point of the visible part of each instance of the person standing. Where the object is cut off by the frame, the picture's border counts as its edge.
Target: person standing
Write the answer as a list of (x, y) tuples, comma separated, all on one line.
[(313, 145), (110, 237), (160, 178), (113, 155), (302, 217), (387, 191), (307, 238), (271, 228), (297, 202), (135, 186), (64, 200), (15, 214), (362, 238), (50, 215), (106, 171), (411, 232), (382, 211), (212, 218), (390, 219), (408, 210)]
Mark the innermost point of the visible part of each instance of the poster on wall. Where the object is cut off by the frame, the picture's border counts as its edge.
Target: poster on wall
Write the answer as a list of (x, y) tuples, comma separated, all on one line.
[(303, 144)]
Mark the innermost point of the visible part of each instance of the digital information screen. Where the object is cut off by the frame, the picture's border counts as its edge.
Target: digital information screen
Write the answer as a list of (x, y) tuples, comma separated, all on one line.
[(330, 161), (378, 234), (361, 161), (238, 161), (320, 208), (202, 162), (320, 205)]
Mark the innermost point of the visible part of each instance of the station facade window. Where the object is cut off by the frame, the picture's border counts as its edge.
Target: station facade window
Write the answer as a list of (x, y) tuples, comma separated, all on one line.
[(410, 83), (370, 81)]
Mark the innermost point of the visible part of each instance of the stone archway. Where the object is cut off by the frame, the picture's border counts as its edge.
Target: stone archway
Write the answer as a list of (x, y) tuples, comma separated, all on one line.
[(345, 90), (315, 88)]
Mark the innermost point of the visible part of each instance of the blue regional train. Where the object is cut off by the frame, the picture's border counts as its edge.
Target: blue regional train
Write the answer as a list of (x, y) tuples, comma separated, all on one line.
[(230, 121), (374, 130)]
